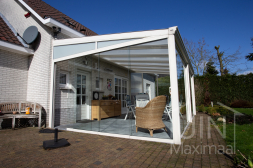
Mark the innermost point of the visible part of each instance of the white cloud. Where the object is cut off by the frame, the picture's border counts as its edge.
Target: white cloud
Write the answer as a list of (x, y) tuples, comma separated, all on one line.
[(246, 72)]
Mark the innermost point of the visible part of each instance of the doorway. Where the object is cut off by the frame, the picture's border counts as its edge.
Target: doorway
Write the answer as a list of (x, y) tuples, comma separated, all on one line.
[(83, 99), (121, 90)]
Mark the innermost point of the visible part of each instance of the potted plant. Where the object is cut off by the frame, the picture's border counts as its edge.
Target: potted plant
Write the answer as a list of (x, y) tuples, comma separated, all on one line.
[(110, 96), (105, 97)]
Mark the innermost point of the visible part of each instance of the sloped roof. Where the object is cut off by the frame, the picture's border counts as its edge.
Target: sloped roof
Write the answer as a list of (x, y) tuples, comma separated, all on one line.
[(45, 10), (6, 34)]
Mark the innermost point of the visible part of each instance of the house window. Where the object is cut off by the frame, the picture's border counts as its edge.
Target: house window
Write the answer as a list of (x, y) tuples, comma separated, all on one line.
[(99, 82), (63, 78)]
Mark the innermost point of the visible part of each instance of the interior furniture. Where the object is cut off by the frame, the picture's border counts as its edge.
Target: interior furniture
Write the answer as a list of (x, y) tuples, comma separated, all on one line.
[(142, 100), (130, 107), (105, 109), (168, 110), (20, 107), (150, 116)]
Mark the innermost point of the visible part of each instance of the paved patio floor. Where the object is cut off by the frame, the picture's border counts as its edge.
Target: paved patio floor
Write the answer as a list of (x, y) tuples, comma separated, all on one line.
[(23, 148)]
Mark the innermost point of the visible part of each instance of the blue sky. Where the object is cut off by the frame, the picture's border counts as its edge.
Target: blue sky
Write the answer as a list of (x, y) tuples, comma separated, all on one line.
[(228, 23)]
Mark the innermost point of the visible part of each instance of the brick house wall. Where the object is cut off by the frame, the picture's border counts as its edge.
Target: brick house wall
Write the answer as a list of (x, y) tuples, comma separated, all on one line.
[(34, 72), (13, 77)]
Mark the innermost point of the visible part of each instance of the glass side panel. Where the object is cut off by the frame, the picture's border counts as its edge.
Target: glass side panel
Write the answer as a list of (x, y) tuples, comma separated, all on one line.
[(112, 42), (181, 93), (122, 75), (66, 50)]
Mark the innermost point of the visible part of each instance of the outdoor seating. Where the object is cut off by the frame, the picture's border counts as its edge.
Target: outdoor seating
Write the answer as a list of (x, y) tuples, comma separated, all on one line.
[(130, 107), (17, 110), (168, 111), (142, 99), (150, 116)]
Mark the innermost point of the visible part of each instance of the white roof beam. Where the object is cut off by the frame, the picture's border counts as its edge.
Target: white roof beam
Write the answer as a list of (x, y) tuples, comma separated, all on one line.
[(148, 68), (143, 64)]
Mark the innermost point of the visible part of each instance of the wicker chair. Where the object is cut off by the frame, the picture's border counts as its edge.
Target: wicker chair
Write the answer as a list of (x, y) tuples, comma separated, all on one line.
[(150, 116)]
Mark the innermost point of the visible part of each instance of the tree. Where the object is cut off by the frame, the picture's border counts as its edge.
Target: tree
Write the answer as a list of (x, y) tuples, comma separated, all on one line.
[(198, 53), (220, 54), (227, 60), (226, 72), (250, 56), (211, 69)]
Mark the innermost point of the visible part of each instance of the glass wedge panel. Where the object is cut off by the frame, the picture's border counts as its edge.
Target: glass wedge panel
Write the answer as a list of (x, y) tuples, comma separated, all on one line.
[(66, 50), (112, 42)]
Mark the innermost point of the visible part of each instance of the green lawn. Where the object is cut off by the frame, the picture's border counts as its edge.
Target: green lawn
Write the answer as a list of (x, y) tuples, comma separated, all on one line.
[(243, 137), (248, 111), (243, 134)]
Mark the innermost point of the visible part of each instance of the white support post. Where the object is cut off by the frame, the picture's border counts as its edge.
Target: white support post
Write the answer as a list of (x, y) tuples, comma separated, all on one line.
[(174, 89), (142, 89), (187, 93), (52, 93), (157, 85), (193, 95)]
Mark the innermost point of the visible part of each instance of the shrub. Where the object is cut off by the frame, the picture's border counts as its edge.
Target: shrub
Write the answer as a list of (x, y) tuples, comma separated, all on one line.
[(223, 111), (211, 111), (183, 110), (241, 104), (201, 108)]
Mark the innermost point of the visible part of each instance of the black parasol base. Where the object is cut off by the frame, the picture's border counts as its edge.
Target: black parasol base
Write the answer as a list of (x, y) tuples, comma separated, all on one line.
[(56, 143)]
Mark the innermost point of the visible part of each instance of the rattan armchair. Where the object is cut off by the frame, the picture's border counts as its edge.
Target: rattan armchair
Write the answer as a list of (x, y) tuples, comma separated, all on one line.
[(150, 116)]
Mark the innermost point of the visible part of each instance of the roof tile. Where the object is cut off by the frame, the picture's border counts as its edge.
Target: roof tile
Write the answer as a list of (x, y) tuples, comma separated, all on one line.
[(6, 33), (43, 9)]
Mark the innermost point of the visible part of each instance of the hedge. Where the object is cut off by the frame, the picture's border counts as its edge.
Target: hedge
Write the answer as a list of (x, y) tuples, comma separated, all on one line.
[(224, 89)]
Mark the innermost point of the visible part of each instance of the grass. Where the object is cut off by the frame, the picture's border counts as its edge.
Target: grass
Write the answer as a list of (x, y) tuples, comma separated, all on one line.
[(243, 134), (248, 111), (243, 137)]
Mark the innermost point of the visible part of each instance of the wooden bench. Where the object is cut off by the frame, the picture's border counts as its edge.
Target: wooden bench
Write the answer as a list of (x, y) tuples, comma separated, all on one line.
[(8, 108)]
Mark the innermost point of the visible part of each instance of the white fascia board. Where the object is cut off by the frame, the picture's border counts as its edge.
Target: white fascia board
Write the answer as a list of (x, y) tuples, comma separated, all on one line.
[(109, 37), (116, 46), (51, 22), (15, 48), (31, 10), (64, 29)]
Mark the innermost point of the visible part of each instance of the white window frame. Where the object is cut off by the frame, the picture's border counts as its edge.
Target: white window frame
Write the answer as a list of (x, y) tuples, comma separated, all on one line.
[(64, 86), (100, 83)]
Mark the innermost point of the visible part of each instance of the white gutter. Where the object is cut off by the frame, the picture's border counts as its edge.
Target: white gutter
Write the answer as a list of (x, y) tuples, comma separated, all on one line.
[(51, 22), (15, 48)]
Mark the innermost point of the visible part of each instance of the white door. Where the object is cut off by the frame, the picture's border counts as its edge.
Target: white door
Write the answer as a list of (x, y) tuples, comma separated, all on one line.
[(83, 96), (121, 90)]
